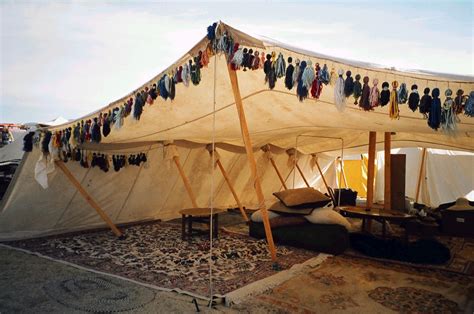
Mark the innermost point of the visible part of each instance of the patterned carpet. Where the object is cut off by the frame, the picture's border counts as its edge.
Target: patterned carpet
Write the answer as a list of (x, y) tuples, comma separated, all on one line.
[(356, 285), (154, 253)]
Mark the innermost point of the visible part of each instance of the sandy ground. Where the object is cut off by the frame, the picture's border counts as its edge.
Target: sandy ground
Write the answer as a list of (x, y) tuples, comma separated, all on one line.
[(31, 284)]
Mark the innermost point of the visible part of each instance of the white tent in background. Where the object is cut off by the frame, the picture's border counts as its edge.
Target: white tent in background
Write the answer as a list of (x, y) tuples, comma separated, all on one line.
[(201, 114)]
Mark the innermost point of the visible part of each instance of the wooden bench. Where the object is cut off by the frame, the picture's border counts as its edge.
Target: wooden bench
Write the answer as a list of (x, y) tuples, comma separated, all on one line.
[(202, 215)]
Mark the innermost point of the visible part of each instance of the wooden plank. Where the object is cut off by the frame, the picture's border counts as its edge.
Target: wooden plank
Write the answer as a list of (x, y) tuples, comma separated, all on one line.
[(388, 168), (251, 159), (302, 175), (88, 198), (185, 181), (371, 170), (231, 188), (422, 170)]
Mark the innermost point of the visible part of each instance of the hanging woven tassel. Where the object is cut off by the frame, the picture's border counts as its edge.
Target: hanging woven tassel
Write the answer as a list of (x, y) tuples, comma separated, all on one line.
[(317, 86), (324, 75), (365, 101), (138, 107), (211, 31), (374, 97), (289, 74), (250, 59), (205, 57), (425, 103), (185, 75), (237, 57), (385, 94), (296, 72), (269, 69), (301, 90), (357, 89), (459, 102), (333, 77), (414, 98), (434, 117), (162, 86), (348, 84), (339, 97), (118, 121), (45, 142), (256, 60), (76, 133), (280, 66), (394, 112), (469, 105), (172, 87), (308, 76), (196, 72), (245, 59), (448, 117), (106, 127), (88, 130), (403, 94), (95, 132), (28, 142)]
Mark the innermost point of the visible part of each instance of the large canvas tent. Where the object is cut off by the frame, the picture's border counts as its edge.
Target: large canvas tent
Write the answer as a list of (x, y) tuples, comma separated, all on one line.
[(206, 113)]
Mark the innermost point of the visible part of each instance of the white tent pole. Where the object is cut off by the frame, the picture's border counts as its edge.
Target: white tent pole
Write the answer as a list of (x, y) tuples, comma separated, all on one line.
[(251, 159), (88, 198)]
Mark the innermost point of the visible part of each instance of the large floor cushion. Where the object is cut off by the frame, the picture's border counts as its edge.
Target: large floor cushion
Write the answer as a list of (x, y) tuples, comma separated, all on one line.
[(332, 239)]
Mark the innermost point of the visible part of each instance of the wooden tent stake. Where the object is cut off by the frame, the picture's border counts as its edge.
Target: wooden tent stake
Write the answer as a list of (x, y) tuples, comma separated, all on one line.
[(88, 198), (185, 181), (231, 188), (371, 170), (251, 159), (302, 175), (388, 168), (422, 169)]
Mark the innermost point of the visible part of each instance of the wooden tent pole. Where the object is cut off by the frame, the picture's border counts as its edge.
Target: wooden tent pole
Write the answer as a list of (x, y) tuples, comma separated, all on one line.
[(322, 176), (422, 168), (278, 173), (302, 175), (371, 170), (388, 168), (185, 181), (251, 159), (343, 172), (231, 188), (88, 198)]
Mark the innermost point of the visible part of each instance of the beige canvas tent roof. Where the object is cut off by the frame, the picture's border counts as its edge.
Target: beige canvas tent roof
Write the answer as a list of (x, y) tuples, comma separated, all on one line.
[(205, 113)]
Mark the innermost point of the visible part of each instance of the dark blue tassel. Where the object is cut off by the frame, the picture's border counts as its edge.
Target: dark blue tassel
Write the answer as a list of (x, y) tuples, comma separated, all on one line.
[(348, 84), (289, 74), (469, 106), (301, 90), (45, 142), (138, 106), (211, 32), (434, 117), (28, 142), (162, 88), (95, 132), (414, 98)]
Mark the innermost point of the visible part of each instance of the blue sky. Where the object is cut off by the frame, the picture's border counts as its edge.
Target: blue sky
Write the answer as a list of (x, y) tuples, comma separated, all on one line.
[(61, 58)]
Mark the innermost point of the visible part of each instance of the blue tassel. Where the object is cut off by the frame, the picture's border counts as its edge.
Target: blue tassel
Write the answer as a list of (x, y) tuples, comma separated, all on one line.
[(138, 106), (324, 75), (414, 98), (289, 74), (45, 142), (434, 117), (162, 87), (402, 94), (348, 84), (211, 31), (280, 66), (469, 106), (301, 90), (28, 142)]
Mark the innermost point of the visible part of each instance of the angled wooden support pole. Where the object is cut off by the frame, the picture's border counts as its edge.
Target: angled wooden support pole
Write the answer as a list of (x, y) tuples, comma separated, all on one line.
[(229, 184), (88, 198), (322, 177), (301, 174), (251, 159), (187, 185), (272, 161), (420, 176), (371, 170), (387, 204), (341, 162)]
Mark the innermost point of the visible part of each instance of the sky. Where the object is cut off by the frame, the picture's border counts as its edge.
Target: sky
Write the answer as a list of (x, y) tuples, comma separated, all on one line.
[(69, 58)]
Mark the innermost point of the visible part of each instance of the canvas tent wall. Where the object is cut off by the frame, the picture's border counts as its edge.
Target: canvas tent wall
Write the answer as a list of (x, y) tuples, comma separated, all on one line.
[(274, 117)]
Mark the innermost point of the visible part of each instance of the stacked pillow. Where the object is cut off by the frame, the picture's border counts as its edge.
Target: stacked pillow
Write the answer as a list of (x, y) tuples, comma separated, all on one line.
[(309, 203)]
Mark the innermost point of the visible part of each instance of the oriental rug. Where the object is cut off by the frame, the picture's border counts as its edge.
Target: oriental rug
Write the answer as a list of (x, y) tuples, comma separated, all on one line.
[(154, 253)]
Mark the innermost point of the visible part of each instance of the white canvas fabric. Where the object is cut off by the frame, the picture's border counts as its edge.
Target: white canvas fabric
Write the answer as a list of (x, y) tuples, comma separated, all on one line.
[(274, 117)]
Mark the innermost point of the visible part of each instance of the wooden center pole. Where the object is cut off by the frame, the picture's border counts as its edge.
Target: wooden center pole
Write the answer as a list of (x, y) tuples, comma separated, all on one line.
[(231, 188), (251, 159), (420, 176), (388, 170), (371, 170), (88, 198), (185, 181), (302, 175)]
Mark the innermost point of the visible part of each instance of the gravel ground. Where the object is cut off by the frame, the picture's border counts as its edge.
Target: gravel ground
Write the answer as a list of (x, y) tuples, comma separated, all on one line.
[(31, 284)]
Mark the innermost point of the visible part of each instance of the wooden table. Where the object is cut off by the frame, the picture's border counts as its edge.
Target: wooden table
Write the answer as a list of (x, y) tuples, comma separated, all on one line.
[(190, 215), (382, 215)]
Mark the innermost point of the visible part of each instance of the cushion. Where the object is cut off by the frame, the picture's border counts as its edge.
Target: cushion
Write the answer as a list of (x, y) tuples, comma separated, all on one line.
[(280, 208), (257, 216), (303, 196), (328, 216), (283, 221)]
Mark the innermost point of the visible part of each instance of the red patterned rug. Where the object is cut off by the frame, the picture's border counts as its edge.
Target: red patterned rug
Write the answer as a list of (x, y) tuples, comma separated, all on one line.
[(154, 253)]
